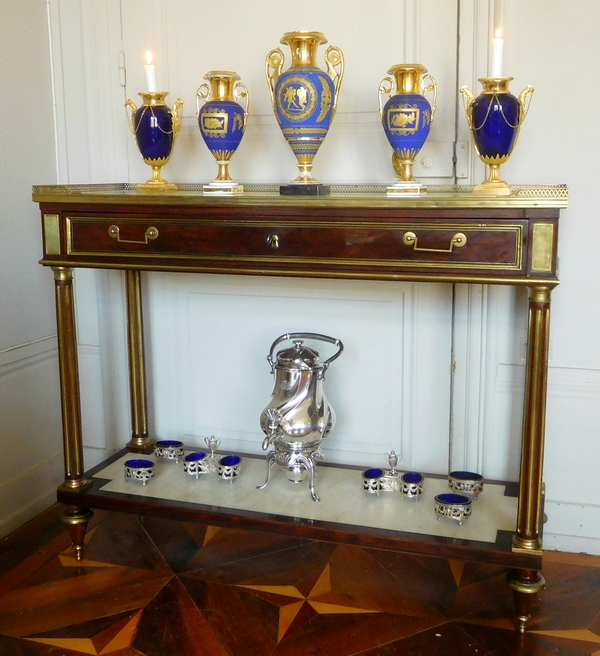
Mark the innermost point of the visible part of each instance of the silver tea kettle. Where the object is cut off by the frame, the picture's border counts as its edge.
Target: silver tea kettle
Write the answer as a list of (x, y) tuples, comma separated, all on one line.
[(298, 416)]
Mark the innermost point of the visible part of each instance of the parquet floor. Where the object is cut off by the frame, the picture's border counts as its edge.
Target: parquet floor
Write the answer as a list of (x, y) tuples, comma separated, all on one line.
[(160, 587)]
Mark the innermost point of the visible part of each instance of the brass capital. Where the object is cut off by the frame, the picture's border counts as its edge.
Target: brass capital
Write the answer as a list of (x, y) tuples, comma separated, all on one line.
[(63, 274), (540, 294)]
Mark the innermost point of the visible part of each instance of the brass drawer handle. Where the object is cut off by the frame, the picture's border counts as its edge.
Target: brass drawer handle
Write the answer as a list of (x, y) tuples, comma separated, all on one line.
[(151, 233), (458, 240), (273, 241)]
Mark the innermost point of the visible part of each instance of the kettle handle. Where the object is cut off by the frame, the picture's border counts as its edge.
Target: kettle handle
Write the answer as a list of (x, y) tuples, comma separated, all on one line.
[(317, 336)]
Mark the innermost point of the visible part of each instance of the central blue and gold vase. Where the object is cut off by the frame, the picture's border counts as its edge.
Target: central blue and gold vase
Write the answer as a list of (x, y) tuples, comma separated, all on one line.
[(304, 100), (222, 122), (495, 118), (155, 127), (406, 116)]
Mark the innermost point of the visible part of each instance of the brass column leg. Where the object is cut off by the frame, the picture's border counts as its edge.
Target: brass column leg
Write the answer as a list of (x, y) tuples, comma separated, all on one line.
[(69, 380), (527, 537), (525, 584), (137, 367), (76, 517)]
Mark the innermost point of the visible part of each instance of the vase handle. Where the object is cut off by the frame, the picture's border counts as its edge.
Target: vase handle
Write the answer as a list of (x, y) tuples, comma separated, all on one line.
[(334, 58), (202, 93), (273, 68), (385, 88), (241, 91), (525, 102), (468, 99), (130, 115), (175, 117), (432, 86)]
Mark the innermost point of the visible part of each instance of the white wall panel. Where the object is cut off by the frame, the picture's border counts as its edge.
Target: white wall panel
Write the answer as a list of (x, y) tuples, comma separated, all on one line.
[(31, 464), (489, 328), (186, 45), (210, 337)]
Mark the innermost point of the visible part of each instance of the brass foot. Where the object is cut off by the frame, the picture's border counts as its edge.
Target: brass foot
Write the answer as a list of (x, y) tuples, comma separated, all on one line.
[(77, 520), (525, 584), (141, 444)]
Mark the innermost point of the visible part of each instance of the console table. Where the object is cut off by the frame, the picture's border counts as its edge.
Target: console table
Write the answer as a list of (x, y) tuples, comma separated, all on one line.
[(447, 235)]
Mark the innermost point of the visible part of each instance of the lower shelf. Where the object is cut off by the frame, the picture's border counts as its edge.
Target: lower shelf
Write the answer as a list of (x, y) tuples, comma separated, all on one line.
[(344, 514)]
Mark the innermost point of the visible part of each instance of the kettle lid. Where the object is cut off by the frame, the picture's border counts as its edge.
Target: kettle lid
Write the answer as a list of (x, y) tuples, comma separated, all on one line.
[(298, 356)]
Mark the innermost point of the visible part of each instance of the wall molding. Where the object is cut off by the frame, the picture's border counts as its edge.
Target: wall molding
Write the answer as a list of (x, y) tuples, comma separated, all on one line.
[(563, 382), (572, 527), (30, 492), (25, 355)]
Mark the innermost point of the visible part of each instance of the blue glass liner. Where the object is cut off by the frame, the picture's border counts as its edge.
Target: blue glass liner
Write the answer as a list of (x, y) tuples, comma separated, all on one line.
[(138, 463), (412, 477), (194, 457), (374, 472), (466, 475), (452, 499), (230, 461), (169, 443)]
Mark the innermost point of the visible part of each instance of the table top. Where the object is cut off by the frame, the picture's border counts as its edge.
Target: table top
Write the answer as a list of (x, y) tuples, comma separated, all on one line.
[(348, 195)]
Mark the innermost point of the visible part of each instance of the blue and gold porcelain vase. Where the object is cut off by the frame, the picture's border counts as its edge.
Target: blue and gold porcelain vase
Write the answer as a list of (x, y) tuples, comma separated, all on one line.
[(305, 100), (222, 122), (495, 118), (155, 127), (406, 116)]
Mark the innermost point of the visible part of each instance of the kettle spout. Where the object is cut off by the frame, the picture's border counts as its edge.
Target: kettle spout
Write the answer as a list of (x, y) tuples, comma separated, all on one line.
[(274, 427)]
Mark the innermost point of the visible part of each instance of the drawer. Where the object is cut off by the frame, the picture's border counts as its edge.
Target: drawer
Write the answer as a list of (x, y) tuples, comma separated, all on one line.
[(446, 245)]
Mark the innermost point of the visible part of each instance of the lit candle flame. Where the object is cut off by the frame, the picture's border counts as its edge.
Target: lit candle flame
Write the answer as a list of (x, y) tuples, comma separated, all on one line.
[(148, 57), (498, 34)]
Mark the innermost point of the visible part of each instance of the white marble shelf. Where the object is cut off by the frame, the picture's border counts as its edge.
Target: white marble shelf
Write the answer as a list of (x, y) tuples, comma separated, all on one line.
[(342, 498)]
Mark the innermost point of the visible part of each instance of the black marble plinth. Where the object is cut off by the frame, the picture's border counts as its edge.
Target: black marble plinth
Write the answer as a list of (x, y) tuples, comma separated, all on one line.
[(316, 189)]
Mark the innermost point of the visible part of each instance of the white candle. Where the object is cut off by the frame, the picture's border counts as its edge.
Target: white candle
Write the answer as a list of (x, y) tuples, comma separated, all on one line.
[(497, 54), (150, 74)]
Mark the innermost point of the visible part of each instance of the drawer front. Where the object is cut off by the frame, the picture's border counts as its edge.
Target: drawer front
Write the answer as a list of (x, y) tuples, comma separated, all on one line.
[(451, 245)]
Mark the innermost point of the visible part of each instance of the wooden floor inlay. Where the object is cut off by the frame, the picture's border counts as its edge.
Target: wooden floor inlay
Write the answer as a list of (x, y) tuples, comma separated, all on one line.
[(154, 587)]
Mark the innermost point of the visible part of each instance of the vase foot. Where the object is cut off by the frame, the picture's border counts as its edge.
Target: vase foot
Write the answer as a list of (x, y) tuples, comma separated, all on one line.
[(228, 188), (156, 187), (316, 189), (492, 189), (402, 189)]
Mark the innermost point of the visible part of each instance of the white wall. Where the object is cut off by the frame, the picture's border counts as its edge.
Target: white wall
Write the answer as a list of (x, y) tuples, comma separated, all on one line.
[(99, 63), (30, 429), (549, 45)]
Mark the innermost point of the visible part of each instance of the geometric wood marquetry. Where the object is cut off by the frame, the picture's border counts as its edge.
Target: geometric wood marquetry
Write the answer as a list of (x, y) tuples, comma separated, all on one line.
[(150, 587)]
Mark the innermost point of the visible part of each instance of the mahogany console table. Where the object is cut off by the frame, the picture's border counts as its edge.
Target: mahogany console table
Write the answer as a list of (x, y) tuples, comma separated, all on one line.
[(447, 235)]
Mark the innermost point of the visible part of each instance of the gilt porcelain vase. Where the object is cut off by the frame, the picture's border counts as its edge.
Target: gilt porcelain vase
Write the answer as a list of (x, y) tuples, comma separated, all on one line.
[(406, 117), (222, 122), (304, 100)]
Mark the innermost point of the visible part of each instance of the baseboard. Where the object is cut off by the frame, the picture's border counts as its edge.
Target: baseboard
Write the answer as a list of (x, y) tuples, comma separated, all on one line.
[(25, 513), (572, 527), (572, 544)]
